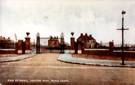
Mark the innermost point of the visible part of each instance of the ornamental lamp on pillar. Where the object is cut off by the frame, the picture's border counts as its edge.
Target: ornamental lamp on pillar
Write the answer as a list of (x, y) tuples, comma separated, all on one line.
[(72, 33), (27, 33)]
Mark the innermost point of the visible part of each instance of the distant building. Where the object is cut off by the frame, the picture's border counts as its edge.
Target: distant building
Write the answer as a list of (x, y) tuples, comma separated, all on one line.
[(6, 42), (53, 42), (89, 41)]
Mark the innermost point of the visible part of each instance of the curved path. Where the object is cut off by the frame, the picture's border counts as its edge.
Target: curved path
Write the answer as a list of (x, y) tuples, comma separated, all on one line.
[(5, 59), (67, 57)]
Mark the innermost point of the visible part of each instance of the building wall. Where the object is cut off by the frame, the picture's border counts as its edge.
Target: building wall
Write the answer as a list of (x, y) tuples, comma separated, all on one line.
[(53, 42), (90, 43), (6, 42)]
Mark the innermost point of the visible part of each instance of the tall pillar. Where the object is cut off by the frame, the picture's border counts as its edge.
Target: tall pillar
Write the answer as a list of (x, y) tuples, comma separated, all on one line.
[(76, 47), (20, 46), (38, 43), (79, 47), (72, 43), (16, 47), (27, 43), (111, 46)]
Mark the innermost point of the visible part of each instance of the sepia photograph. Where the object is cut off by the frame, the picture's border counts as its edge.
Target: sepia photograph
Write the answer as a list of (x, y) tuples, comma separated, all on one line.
[(67, 42)]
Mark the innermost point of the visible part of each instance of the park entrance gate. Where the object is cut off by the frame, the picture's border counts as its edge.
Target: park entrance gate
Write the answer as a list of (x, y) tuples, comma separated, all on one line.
[(50, 44)]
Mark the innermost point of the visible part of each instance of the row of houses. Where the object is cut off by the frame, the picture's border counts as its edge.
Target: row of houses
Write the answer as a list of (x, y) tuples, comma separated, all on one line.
[(89, 41), (6, 42)]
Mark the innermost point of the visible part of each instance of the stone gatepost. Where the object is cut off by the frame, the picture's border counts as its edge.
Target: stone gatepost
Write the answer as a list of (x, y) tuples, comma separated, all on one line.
[(16, 47), (20, 46), (76, 47), (72, 43), (111, 46), (27, 45), (38, 43), (79, 47)]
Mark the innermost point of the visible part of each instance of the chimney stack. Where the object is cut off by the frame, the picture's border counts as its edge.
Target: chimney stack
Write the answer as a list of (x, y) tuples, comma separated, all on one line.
[(86, 34), (8, 38), (90, 35), (81, 34)]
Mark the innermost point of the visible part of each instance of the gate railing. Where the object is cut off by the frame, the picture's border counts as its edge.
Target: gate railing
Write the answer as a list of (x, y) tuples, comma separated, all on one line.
[(44, 46)]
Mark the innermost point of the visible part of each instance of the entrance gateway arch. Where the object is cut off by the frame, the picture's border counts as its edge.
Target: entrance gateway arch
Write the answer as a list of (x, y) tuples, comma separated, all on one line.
[(49, 44)]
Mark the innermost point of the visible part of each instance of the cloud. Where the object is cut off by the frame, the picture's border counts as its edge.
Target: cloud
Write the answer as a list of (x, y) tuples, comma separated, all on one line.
[(99, 18)]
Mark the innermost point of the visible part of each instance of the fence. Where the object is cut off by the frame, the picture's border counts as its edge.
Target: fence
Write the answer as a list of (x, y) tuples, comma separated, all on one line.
[(109, 52)]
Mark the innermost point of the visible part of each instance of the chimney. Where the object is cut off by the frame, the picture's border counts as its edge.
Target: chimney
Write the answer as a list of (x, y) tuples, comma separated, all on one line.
[(8, 38), (86, 34), (90, 35), (50, 37), (81, 34)]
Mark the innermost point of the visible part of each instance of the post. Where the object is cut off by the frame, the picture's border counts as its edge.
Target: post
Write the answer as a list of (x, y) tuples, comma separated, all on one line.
[(122, 40)]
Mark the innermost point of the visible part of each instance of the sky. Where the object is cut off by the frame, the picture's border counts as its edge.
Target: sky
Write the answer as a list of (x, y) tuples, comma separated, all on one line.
[(100, 18)]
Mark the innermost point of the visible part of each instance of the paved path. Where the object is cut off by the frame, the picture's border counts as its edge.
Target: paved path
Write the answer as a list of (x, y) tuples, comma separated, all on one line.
[(67, 57), (5, 59)]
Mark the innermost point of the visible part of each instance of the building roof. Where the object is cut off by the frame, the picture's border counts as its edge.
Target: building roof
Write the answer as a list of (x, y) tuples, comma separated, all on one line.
[(89, 37), (5, 39), (85, 37)]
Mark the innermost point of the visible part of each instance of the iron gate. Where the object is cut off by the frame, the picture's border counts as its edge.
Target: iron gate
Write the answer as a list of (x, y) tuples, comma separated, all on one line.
[(49, 44)]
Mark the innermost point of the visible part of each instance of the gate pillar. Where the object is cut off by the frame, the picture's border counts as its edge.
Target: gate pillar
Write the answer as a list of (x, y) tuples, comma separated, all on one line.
[(111, 46), (76, 47), (38, 43), (62, 42), (20, 46)]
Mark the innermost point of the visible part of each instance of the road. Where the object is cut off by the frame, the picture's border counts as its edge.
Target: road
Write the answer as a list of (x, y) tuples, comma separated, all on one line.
[(46, 69)]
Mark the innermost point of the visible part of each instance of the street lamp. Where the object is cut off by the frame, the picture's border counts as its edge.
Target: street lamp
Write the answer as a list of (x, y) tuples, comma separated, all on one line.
[(123, 12)]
